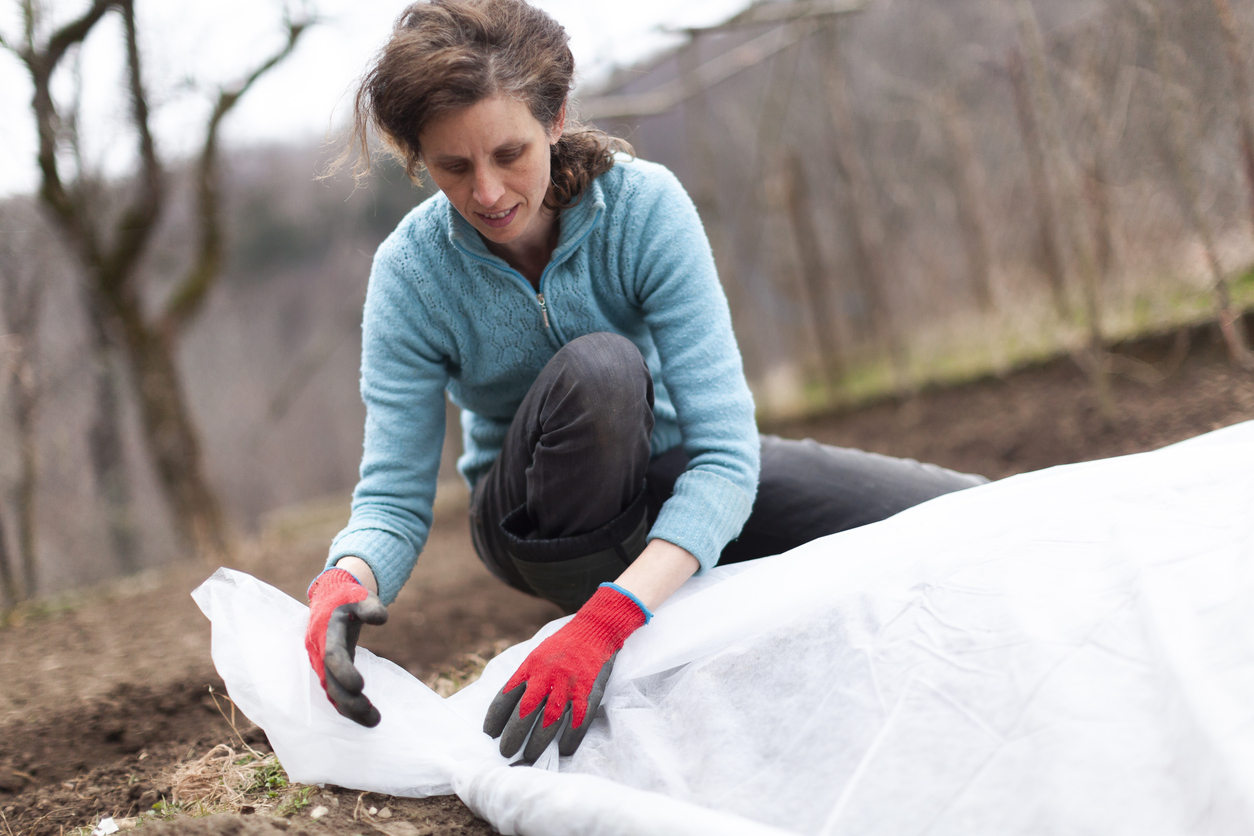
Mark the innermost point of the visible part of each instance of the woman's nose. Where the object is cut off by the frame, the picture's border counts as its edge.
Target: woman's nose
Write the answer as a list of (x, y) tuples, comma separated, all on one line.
[(488, 188)]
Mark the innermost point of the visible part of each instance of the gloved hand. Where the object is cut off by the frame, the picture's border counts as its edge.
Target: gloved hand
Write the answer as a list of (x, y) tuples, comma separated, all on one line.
[(563, 679), (338, 606)]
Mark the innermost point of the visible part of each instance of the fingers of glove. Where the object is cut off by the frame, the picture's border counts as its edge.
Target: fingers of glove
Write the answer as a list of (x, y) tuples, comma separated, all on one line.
[(541, 737), (502, 707), (370, 610), (352, 704), (342, 630), (573, 735), (516, 729)]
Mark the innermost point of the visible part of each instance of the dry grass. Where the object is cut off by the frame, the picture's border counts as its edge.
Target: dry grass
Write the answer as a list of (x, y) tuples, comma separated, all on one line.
[(226, 780), (230, 780), (238, 778)]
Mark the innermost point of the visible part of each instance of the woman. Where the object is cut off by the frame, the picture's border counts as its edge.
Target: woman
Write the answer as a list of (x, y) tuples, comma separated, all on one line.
[(565, 297)]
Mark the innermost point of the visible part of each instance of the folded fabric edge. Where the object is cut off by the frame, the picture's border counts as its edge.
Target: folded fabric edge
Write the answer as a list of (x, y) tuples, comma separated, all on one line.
[(524, 801)]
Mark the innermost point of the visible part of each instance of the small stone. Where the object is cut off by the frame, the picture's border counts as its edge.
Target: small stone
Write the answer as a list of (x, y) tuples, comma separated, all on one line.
[(385, 813), (374, 811), (318, 812), (280, 824)]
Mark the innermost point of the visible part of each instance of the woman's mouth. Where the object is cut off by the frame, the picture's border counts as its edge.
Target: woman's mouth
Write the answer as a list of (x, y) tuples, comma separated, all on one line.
[(499, 220)]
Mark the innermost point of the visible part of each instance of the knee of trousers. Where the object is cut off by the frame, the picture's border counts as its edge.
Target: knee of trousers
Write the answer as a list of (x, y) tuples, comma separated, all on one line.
[(602, 376), (568, 570)]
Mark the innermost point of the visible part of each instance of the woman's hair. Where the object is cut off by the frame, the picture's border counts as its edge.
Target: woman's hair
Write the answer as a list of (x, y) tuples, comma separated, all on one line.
[(445, 55)]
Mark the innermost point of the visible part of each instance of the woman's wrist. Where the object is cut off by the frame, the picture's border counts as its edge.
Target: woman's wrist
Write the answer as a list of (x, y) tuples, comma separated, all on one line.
[(659, 570), (360, 570)]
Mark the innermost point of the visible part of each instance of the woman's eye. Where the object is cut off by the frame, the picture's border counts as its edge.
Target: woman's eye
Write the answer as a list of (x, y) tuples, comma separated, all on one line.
[(509, 156)]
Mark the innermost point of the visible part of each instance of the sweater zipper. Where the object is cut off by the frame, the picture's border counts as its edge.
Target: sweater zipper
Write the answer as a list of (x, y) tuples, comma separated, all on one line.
[(544, 309)]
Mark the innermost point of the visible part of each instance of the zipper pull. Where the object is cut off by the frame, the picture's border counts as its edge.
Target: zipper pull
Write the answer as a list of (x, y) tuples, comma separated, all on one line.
[(544, 309)]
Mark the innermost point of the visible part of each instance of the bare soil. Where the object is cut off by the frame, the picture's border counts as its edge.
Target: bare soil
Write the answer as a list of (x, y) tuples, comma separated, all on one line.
[(101, 700)]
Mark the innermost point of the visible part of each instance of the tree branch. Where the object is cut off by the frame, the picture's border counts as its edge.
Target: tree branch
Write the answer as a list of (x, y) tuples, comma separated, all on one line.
[(188, 298), (75, 31), (42, 64), (137, 222)]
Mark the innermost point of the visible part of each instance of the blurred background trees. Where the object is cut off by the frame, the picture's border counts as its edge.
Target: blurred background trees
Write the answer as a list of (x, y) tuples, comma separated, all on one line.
[(897, 194)]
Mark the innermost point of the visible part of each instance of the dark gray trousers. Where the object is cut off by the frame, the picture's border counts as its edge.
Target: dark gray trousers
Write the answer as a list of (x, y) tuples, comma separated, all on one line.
[(568, 503)]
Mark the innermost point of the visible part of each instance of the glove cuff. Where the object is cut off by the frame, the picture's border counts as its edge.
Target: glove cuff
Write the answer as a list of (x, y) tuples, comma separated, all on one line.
[(333, 578), (648, 614), (609, 617)]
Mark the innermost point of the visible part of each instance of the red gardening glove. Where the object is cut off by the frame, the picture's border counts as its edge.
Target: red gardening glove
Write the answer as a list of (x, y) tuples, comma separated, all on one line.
[(560, 683), (338, 606)]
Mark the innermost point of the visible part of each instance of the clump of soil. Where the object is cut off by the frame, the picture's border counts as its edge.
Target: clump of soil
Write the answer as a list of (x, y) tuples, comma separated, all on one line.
[(74, 748)]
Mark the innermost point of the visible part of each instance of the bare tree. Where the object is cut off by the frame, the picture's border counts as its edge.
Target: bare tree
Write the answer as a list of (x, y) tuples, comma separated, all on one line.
[(21, 286), (965, 176), (969, 195), (1029, 129), (816, 281), (1106, 121), (1241, 91), (12, 592), (1060, 170), (109, 241), (866, 224), (1175, 144), (8, 578)]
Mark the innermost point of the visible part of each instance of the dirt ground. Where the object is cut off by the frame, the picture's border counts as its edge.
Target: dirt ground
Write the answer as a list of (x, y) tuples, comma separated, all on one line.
[(103, 699)]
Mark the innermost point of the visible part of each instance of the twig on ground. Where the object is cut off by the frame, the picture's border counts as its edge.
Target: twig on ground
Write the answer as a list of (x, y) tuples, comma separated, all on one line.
[(231, 721), (5, 820)]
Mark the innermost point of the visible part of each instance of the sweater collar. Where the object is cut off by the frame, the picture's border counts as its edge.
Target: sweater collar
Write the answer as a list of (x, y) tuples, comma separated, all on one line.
[(576, 222)]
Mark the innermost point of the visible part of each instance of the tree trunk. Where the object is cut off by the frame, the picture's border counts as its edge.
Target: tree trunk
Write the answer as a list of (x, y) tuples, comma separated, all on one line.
[(968, 180), (105, 447), (815, 280), (1098, 197), (8, 579), (1241, 91), (22, 282), (25, 406), (168, 430), (863, 205), (1066, 189), (1051, 251), (1175, 147)]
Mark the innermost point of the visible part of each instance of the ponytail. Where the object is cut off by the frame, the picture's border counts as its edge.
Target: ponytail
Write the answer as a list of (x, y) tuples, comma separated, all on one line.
[(580, 156)]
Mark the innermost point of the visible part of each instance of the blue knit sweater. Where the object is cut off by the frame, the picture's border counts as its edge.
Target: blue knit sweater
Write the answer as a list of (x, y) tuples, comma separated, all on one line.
[(443, 313)]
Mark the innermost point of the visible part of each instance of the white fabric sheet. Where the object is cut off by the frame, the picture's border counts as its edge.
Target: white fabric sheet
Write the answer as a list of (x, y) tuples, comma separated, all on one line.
[(1068, 651)]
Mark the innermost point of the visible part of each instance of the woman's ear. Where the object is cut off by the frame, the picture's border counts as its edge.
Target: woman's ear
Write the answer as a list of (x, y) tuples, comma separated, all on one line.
[(559, 124)]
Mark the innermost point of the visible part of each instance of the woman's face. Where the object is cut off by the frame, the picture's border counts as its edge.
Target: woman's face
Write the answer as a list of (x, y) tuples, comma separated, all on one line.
[(491, 160)]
